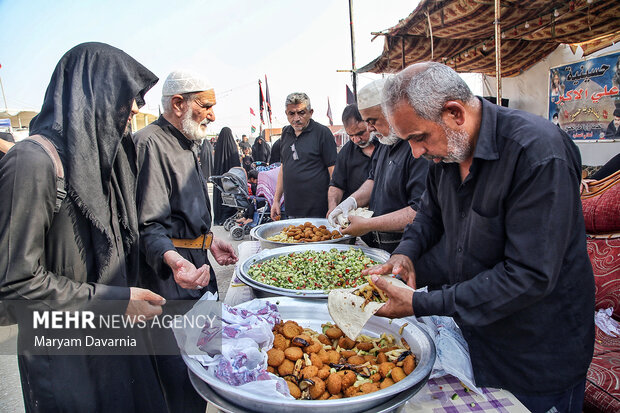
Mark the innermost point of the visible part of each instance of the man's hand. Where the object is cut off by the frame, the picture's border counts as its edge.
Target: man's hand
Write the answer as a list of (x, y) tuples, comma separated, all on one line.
[(144, 303), (343, 209), (358, 226), (398, 264), (399, 302), (185, 273), (223, 252), (275, 211)]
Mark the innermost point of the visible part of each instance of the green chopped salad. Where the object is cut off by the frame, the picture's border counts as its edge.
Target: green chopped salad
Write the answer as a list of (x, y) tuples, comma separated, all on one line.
[(313, 270)]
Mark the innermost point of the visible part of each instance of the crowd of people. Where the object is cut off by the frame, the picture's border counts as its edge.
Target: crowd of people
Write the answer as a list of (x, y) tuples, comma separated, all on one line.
[(477, 202)]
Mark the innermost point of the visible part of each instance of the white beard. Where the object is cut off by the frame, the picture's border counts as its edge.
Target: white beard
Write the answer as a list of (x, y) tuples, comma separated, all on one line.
[(193, 130), (459, 148), (386, 140)]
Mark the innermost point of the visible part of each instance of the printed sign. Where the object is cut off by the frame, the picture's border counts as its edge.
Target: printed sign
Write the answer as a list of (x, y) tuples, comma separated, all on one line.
[(584, 95)]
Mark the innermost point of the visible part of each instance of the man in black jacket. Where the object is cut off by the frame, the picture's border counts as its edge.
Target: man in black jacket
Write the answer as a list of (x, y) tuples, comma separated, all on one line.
[(504, 192)]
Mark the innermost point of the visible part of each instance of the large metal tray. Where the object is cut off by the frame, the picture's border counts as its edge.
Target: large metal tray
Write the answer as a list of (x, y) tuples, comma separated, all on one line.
[(313, 313), (264, 255), (264, 231)]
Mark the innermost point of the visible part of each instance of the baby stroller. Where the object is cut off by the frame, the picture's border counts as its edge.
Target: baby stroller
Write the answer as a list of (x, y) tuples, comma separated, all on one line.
[(234, 188)]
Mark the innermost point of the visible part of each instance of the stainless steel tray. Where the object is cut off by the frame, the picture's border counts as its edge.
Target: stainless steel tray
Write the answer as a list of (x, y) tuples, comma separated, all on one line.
[(210, 395), (313, 313), (242, 270), (264, 231)]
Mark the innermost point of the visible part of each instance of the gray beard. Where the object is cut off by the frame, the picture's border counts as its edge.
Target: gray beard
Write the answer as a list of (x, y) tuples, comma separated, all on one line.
[(459, 148), (191, 129), (391, 139)]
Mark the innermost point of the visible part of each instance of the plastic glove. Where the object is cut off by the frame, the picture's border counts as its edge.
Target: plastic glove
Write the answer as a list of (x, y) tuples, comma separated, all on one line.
[(343, 209)]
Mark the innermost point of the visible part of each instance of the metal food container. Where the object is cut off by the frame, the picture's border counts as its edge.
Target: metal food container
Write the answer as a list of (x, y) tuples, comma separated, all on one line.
[(311, 314), (264, 231), (264, 255)]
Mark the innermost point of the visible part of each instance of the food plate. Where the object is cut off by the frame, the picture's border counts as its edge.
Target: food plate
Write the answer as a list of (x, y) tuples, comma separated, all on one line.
[(264, 255), (210, 395), (264, 231), (311, 314)]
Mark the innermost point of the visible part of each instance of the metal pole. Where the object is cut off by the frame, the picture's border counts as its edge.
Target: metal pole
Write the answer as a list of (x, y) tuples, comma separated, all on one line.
[(498, 53), (352, 50), (3, 96)]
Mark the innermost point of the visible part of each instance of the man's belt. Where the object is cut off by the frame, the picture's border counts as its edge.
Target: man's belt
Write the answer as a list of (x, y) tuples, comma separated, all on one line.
[(386, 237), (203, 242)]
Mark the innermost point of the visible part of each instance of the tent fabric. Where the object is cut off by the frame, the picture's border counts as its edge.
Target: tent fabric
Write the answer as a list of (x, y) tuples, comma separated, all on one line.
[(463, 34)]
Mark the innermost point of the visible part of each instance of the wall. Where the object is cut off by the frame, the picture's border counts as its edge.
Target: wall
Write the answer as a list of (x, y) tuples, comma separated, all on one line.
[(529, 92)]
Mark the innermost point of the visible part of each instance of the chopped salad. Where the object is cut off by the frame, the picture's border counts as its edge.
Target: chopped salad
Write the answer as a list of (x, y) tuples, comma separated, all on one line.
[(313, 270)]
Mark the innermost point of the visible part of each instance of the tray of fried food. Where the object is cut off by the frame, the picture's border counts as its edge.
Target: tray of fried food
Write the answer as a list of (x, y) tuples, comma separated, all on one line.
[(306, 232), (329, 365), (371, 293)]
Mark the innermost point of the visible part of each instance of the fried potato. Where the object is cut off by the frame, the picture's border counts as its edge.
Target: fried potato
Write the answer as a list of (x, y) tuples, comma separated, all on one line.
[(293, 353), (385, 368), (398, 374), (408, 364), (333, 333), (351, 391), (333, 356), (309, 372), (346, 343), (314, 347), (387, 382), (364, 346), (316, 360), (370, 358), (324, 372), (381, 358), (279, 341), (271, 370), (334, 383), (336, 396), (323, 356), (275, 357), (317, 389), (348, 379), (324, 340), (290, 330), (345, 354), (287, 367), (369, 387), (375, 378), (294, 389), (356, 360)]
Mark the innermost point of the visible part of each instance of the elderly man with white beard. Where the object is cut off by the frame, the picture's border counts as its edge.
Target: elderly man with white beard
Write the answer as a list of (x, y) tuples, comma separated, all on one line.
[(395, 183), (175, 215)]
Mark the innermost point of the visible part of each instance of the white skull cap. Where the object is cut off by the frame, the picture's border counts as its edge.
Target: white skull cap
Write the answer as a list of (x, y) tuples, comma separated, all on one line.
[(183, 81), (370, 95)]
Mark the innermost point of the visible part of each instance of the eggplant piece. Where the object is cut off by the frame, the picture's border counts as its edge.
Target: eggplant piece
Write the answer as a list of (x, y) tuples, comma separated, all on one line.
[(300, 341), (304, 386), (403, 355), (292, 378)]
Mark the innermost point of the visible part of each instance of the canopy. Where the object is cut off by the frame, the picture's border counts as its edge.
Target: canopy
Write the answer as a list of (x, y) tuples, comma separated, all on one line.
[(460, 33)]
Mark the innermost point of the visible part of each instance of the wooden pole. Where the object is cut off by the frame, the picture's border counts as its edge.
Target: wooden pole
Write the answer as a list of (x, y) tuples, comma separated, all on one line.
[(402, 46), (498, 53), (352, 50)]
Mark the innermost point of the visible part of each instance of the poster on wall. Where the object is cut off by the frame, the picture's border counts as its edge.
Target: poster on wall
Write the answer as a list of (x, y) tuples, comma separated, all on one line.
[(583, 97)]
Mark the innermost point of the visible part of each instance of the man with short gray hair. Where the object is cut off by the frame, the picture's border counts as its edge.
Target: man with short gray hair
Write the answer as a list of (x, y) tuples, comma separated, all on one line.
[(504, 196), (308, 155), (175, 215)]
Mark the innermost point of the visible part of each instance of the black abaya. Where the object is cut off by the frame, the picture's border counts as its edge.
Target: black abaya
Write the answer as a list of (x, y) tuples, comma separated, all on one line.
[(226, 157)]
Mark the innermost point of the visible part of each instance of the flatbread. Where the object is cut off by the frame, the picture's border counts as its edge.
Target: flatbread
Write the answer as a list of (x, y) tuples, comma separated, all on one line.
[(359, 212), (346, 310)]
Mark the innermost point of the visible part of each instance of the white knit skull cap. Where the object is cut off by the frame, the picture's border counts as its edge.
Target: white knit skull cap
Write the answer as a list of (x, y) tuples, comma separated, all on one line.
[(370, 95), (183, 81)]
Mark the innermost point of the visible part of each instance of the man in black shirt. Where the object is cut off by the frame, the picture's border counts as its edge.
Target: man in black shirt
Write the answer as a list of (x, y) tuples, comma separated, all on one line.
[(175, 216), (395, 183), (244, 143), (504, 192), (308, 154), (353, 161)]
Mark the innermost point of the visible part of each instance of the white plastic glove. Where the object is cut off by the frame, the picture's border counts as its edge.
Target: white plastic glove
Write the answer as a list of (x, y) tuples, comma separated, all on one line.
[(343, 209)]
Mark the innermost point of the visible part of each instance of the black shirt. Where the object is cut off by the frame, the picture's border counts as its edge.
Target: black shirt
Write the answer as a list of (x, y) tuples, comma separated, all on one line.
[(172, 203), (306, 179), (400, 179), (520, 284), (351, 170)]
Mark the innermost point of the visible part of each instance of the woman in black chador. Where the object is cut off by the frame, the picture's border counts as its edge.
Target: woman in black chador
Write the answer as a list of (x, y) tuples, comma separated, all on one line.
[(87, 251), (226, 156)]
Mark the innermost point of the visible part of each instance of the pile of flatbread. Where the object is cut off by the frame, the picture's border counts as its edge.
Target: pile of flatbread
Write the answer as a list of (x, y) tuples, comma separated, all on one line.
[(351, 312), (358, 212)]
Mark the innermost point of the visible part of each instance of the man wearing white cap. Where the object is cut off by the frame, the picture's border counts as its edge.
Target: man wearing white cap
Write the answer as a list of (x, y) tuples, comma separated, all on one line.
[(175, 215), (395, 183)]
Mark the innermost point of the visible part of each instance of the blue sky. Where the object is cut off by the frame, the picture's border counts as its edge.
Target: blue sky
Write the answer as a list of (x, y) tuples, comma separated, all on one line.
[(299, 45)]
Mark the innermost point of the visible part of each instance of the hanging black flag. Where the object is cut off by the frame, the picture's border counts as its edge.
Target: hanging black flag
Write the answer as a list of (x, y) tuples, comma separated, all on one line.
[(261, 102), (350, 96)]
